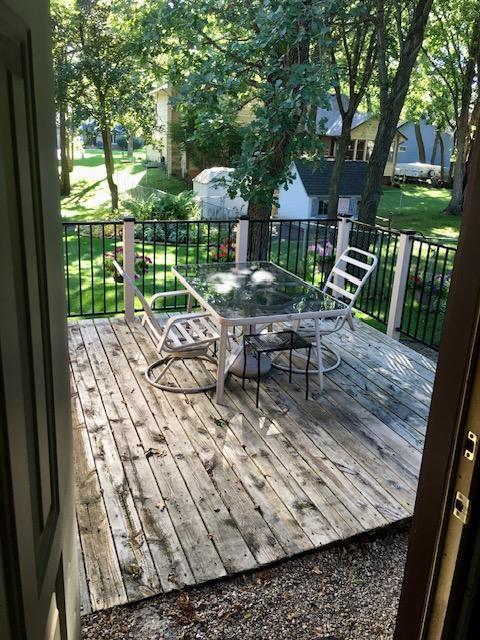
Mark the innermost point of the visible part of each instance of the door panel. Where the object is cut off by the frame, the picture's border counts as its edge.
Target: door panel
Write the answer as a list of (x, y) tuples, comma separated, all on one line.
[(36, 476)]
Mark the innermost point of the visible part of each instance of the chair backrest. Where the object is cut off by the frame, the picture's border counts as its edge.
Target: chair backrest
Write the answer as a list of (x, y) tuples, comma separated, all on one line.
[(149, 316), (342, 283)]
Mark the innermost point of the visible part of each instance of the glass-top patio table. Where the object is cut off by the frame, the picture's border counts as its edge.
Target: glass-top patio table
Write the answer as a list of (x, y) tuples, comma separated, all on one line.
[(253, 293)]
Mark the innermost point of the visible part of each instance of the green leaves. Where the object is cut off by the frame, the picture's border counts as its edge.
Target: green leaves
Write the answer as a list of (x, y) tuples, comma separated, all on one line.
[(263, 56)]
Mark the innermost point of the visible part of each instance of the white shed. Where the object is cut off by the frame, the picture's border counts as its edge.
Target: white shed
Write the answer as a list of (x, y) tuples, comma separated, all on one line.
[(307, 195), (213, 195)]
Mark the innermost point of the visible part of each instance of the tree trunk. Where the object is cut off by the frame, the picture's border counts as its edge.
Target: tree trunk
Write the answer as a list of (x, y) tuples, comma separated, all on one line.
[(339, 162), (376, 168), (130, 146), (455, 205), (420, 143), (433, 156), (64, 172), (110, 167), (258, 235), (392, 99), (442, 156)]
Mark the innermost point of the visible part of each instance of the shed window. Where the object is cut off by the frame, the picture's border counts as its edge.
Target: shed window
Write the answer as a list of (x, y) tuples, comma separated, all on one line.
[(360, 149), (369, 149), (321, 209)]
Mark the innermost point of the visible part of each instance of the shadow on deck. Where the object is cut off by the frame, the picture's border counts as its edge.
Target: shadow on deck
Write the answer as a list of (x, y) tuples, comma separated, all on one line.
[(174, 490)]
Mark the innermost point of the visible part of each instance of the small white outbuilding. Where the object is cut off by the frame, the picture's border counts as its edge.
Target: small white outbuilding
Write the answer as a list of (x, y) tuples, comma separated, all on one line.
[(307, 195), (215, 201)]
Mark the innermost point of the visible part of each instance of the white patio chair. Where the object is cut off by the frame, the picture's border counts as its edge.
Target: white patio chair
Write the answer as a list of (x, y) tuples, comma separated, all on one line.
[(184, 336), (363, 263)]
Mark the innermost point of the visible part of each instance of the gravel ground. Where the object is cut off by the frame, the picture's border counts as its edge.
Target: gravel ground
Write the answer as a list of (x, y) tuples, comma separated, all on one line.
[(347, 592)]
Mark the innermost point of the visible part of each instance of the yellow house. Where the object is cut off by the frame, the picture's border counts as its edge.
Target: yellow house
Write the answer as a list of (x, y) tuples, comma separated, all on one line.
[(364, 132), (163, 146), (176, 161)]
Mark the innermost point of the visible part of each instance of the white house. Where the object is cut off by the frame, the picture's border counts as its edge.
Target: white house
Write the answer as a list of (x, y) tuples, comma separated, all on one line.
[(307, 195), (213, 194)]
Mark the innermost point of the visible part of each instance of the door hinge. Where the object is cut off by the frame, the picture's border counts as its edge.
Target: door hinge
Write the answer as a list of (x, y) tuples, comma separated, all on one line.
[(471, 446), (461, 507)]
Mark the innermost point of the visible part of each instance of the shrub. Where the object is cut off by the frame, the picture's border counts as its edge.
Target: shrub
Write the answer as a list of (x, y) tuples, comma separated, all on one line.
[(122, 143), (142, 263), (165, 207)]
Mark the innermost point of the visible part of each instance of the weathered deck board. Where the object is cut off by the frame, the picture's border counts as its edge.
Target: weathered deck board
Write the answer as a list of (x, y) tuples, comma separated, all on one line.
[(174, 490)]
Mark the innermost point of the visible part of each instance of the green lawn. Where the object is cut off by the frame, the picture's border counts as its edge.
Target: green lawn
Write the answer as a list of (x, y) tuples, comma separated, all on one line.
[(90, 196), (420, 208)]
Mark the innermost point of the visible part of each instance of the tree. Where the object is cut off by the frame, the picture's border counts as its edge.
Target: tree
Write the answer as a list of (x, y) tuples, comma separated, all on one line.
[(114, 82), (452, 55), (66, 86), (273, 54), (135, 108), (400, 32), (353, 58)]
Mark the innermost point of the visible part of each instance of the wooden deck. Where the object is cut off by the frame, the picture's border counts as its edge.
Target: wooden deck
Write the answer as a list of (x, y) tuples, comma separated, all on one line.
[(174, 490)]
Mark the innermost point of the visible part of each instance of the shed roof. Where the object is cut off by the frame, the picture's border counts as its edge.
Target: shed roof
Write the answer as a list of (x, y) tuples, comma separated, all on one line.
[(317, 181), (212, 174)]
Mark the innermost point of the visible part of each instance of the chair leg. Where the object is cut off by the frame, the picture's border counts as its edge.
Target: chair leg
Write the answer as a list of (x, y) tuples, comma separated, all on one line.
[(244, 363), (319, 354), (306, 371), (258, 378)]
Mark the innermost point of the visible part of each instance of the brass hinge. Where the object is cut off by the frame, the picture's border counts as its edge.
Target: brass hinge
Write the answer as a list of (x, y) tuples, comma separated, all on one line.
[(461, 507), (471, 446)]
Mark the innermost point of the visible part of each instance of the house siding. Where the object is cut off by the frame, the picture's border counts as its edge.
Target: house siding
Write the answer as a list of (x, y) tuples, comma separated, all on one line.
[(428, 134), (294, 201)]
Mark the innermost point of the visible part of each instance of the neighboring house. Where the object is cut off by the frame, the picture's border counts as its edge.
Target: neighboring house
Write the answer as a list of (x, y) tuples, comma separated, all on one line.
[(364, 132), (164, 146), (176, 159), (408, 149), (213, 196), (307, 195)]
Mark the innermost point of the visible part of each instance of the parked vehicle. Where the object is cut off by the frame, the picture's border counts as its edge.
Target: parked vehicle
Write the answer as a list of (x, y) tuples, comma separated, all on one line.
[(417, 171)]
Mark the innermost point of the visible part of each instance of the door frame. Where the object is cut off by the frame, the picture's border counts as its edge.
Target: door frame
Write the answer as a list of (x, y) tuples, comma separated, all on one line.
[(445, 437)]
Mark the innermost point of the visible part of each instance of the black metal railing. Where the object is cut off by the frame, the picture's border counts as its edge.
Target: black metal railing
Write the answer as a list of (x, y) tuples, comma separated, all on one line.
[(303, 247), (91, 289), (167, 243), (428, 284), (92, 285), (374, 299), (306, 248)]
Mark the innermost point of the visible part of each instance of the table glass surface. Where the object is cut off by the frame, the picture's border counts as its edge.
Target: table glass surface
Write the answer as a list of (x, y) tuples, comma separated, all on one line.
[(254, 289)]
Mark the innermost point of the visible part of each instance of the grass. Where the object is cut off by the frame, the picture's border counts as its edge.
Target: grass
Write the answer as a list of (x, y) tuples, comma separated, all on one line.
[(420, 208), (90, 196)]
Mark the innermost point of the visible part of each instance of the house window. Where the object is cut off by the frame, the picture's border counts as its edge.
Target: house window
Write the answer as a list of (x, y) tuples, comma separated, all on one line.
[(321, 209), (360, 149), (369, 149), (332, 143), (390, 153), (350, 150), (402, 148)]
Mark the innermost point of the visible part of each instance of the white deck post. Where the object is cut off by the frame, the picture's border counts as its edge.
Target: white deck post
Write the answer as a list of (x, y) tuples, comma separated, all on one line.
[(343, 241), (241, 240), (129, 265), (399, 287)]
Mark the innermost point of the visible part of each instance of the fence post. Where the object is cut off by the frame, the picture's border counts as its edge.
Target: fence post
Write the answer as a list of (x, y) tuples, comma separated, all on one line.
[(129, 265), (400, 282), (241, 240), (343, 240)]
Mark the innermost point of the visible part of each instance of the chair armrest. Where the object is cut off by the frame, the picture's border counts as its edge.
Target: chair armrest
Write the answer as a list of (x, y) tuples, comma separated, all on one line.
[(167, 294)]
